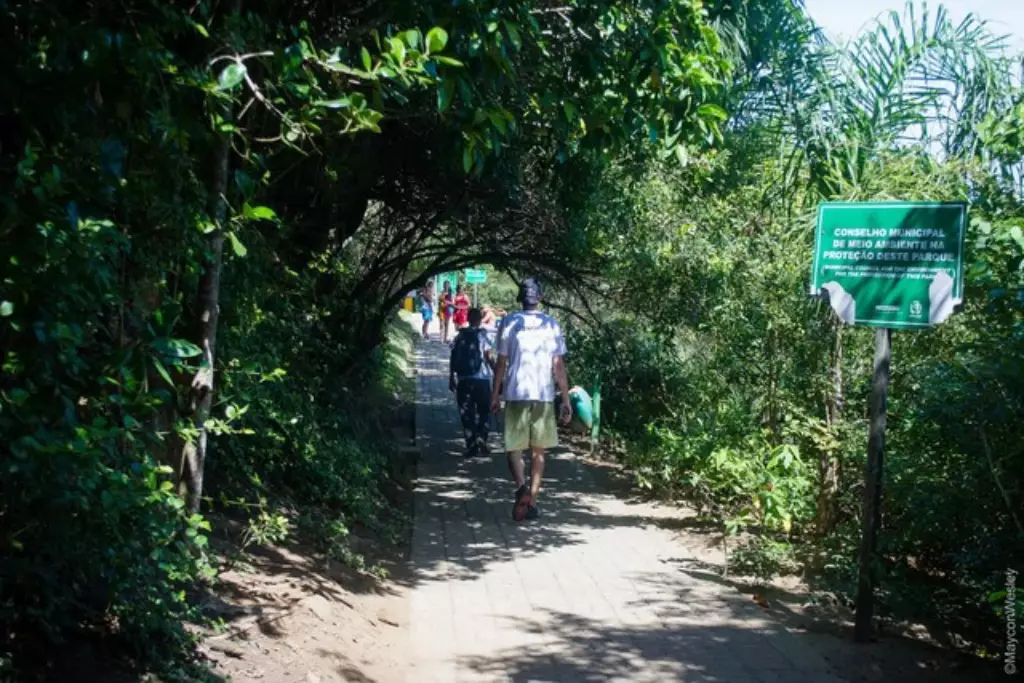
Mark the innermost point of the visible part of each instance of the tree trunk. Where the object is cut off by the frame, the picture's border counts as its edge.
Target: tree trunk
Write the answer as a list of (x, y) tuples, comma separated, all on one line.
[(195, 451), (829, 465), (773, 385)]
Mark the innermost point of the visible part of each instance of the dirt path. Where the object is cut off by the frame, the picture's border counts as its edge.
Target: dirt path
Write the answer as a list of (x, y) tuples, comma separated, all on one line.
[(291, 614), (293, 618), (598, 589)]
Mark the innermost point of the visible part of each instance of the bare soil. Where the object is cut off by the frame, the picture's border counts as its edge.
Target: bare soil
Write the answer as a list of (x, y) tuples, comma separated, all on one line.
[(291, 614), (294, 616)]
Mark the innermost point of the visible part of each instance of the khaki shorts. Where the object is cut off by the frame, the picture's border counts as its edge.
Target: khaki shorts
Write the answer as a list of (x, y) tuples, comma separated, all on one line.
[(530, 424)]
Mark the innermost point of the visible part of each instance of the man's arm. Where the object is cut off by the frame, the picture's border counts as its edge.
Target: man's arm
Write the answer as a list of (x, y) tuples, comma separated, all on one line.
[(500, 368), (452, 380), (561, 378), (499, 375), (488, 350)]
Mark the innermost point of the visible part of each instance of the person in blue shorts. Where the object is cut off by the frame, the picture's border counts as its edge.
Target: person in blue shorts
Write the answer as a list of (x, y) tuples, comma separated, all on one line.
[(426, 306)]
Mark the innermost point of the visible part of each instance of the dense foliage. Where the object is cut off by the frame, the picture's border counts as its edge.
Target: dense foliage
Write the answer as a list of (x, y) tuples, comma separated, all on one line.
[(724, 383), (211, 211)]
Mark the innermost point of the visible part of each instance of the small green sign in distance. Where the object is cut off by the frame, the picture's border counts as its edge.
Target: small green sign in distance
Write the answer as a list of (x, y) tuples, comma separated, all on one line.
[(890, 264), (475, 276)]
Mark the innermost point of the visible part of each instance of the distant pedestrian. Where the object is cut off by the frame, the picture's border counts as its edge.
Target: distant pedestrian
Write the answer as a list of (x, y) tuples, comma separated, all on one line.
[(471, 370), (531, 359), (461, 308), (426, 306), (489, 319), (446, 309)]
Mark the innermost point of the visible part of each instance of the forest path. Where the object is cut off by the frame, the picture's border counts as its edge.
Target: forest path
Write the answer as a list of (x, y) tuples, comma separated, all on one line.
[(598, 589)]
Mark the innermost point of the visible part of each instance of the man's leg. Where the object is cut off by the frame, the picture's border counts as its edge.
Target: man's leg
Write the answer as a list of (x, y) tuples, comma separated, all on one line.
[(517, 440), (515, 466), (467, 410), (482, 398), (536, 472), (543, 435)]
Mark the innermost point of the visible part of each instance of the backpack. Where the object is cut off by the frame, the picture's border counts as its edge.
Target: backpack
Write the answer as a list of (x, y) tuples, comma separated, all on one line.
[(467, 358)]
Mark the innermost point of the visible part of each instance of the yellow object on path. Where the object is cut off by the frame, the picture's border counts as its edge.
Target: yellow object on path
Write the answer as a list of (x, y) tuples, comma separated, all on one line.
[(409, 304)]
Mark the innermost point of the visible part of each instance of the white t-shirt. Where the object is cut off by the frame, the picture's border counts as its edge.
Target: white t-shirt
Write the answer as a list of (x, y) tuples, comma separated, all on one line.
[(530, 340)]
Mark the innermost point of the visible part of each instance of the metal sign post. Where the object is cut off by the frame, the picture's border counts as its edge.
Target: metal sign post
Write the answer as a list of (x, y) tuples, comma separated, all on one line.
[(872, 502), (888, 265), (476, 277)]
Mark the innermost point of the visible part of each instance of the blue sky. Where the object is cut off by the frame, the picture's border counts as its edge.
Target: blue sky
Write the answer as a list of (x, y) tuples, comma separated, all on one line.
[(841, 19)]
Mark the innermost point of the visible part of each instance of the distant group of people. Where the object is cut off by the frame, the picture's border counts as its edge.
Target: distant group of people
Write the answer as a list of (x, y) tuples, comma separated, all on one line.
[(453, 309), (523, 368)]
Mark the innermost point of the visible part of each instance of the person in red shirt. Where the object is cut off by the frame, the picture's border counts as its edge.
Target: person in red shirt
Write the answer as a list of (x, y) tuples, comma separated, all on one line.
[(446, 309), (461, 317)]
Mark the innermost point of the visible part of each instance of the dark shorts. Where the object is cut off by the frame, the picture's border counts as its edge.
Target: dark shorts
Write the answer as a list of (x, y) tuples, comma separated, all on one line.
[(474, 399)]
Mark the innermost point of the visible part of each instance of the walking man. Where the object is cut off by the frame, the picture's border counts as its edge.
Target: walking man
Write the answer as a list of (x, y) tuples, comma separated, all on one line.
[(531, 359), (470, 374)]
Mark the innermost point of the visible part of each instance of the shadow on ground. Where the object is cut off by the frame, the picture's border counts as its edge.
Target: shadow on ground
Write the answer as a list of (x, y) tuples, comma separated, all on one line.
[(589, 650), (462, 501)]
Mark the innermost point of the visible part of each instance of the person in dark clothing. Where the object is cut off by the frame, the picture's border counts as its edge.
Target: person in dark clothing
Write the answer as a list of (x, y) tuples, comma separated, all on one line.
[(471, 370)]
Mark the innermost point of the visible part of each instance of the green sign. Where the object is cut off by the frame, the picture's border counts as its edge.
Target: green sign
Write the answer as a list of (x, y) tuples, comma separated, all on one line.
[(475, 276), (890, 264)]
